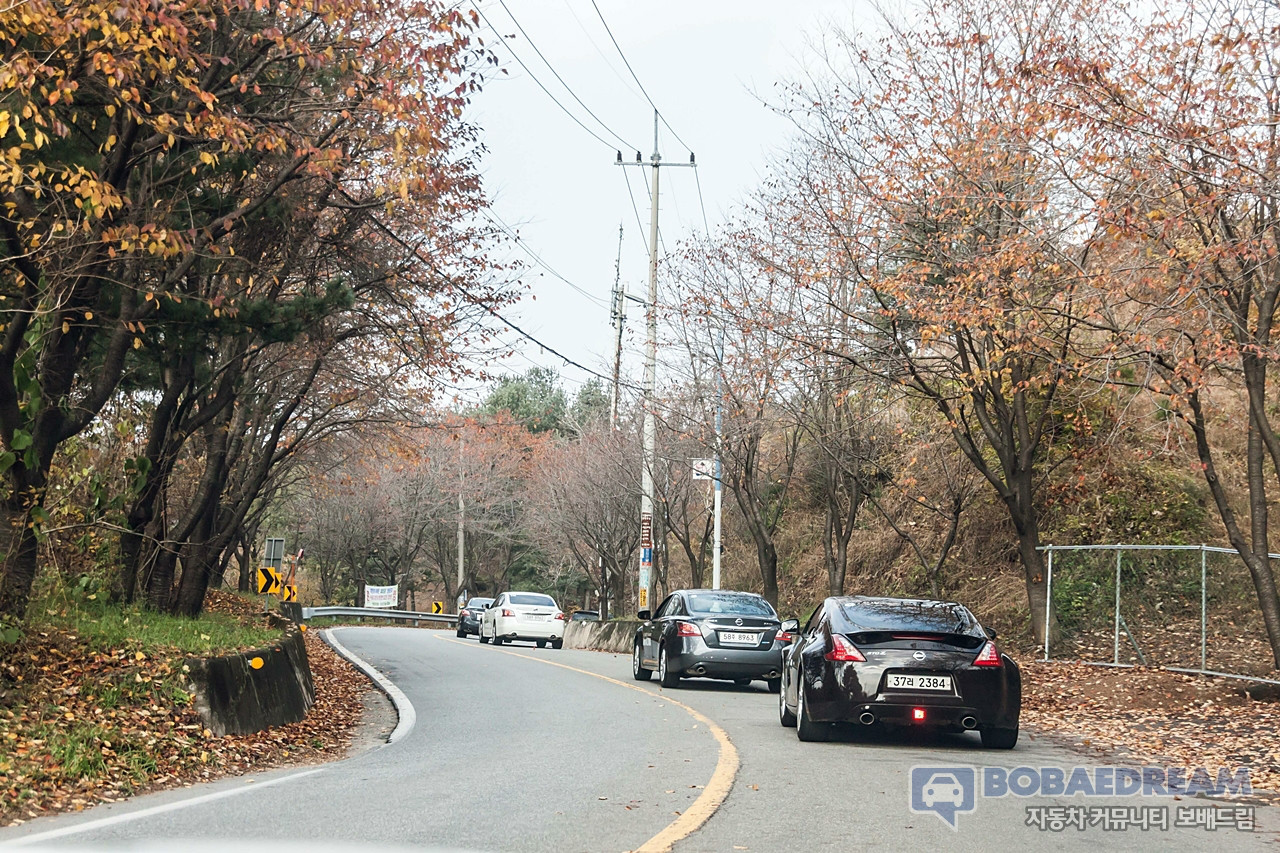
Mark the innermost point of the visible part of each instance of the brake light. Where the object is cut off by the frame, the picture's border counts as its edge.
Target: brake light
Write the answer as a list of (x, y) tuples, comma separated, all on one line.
[(785, 637), (465, 613), (988, 656), (843, 650), (687, 629), (506, 612), (560, 617), (917, 715)]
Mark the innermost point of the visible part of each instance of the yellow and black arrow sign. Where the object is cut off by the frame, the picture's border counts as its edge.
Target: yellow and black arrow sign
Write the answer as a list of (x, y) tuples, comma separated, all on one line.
[(289, 592), (437, 607), (269, 581)]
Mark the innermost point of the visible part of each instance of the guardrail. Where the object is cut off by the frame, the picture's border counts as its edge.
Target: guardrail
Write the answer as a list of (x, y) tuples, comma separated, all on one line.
[(379, 613)]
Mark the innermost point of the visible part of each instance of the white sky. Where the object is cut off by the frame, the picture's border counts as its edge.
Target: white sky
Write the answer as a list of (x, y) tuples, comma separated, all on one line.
[(706, 64)]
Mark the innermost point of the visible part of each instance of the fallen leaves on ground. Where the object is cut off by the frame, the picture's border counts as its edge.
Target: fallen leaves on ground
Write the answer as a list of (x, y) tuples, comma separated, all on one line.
[(1147, 715), (79, 726)]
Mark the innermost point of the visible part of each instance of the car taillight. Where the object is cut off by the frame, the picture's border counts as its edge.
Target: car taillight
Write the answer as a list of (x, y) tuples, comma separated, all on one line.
[(988, 656), (560, 617), (465, 613), (842, 649), (917, 715), (506, 612), (687, 629), (785, 637)]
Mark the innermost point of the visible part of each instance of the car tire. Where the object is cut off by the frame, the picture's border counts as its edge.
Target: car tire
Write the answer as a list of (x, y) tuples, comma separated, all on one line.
[(774, 684), (462, 634), (638, 672), (742, 682), (497, 641), (483, 638), (993, 738), (806, 728), (557, 644), (665, 674), (542, 644), (785, 715)]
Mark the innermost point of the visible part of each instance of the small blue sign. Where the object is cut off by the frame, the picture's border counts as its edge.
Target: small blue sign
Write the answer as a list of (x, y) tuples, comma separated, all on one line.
[(646, 555)]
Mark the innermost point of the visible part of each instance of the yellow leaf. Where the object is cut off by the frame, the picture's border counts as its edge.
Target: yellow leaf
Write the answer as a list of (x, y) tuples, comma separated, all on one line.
[(66, 327), (140, 656)]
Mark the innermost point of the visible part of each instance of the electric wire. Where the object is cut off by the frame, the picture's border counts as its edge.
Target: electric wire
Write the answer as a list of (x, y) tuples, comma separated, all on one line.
[(524, 246), (554, 99), (617, 47), (567, 88)]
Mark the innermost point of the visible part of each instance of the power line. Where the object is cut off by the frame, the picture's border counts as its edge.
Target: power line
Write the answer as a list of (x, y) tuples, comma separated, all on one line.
[(552, 69), (705, 227), (617, 47), (635, 209), (535, 79), (524, 246)]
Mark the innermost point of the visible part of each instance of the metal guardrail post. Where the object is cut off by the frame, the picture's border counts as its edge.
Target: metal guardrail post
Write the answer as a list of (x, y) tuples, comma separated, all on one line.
[(1048, 600), (1119, 554), (1204, 609)]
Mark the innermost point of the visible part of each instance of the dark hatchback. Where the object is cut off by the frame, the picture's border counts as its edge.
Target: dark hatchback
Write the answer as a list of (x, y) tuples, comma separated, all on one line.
[(469, 616), (899, 661), (710, 633)]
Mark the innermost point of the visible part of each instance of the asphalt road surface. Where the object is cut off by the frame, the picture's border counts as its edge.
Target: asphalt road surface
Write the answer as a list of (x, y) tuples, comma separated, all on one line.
[(526, 749)]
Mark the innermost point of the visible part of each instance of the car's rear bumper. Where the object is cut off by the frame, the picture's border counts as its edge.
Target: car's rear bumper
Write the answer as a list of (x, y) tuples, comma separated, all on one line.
[(697, 659), (511, 629), (941, 712), (469, 626)]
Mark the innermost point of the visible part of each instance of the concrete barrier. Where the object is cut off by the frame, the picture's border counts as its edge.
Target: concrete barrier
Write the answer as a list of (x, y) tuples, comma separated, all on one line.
[(254, 690), (613, 636)]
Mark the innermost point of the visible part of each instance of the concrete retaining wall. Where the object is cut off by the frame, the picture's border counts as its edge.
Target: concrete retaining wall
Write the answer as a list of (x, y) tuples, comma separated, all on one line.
[(612, 636), (251, 691)]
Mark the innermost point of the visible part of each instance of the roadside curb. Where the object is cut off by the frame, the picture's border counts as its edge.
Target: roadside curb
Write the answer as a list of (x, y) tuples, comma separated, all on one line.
[(406, 716)]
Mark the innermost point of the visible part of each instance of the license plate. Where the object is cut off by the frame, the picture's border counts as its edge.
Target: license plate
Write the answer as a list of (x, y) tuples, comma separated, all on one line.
[(920, 682), (536, 617), (738, 638)]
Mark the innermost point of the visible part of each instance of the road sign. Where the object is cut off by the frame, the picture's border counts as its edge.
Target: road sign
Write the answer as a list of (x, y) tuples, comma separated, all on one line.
[(269, 581), (646, 530), (289, 592), (643, 598), (704, 469), (437, 607)]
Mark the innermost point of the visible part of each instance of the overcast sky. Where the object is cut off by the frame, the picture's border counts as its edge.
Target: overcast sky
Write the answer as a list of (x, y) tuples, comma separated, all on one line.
[(707, 64)]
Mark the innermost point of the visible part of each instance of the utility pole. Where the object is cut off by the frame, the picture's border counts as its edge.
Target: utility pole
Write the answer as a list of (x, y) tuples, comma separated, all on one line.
[(650, 374), (462, 516), (619, 316), (719, 485)]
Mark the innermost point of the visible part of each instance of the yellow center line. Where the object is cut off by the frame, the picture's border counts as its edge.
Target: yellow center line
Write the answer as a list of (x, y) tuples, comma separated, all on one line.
[(717, 788)]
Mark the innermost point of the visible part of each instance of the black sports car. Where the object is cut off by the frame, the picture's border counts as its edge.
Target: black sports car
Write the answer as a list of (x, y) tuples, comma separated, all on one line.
[(710, 633), (469, 616), (899, 661)]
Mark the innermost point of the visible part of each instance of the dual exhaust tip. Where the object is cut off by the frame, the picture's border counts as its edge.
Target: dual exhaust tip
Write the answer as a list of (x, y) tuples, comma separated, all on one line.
[(867, 718)]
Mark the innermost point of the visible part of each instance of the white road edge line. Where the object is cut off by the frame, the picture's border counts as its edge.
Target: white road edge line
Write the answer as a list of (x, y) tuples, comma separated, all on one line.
[(89, 826), (406, 715)]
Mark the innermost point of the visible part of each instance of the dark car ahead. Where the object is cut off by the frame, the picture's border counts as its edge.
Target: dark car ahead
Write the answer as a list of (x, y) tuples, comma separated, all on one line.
[(710, 633), (899, 661), (469, 616), (585, 616)]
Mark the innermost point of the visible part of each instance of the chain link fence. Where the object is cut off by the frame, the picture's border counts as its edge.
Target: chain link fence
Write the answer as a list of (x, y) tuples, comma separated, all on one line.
[(1188, 608)]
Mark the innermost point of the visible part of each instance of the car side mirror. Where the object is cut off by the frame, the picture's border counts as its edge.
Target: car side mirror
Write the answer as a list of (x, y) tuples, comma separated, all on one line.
[(487, 606), (791, 626), (644, 615), (991, 634)]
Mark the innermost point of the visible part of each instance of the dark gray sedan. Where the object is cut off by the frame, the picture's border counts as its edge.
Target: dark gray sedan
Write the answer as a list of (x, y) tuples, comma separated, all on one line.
[(710, 633), (469, 616)]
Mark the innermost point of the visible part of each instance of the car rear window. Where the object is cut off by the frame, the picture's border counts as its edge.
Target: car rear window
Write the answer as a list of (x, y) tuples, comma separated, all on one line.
[(738, 605), (935, 617), (479, 602), (532, 598)]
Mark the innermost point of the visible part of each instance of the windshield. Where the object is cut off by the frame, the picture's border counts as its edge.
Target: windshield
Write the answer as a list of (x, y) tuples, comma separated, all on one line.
[(898, 614), (479, 602), (532, 598), (736, 604)]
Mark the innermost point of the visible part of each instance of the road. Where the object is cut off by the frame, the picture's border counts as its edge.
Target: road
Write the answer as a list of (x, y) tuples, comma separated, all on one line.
[(525, 749)]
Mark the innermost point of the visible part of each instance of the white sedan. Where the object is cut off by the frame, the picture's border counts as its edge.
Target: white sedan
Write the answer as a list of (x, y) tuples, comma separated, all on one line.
[(523, 616)]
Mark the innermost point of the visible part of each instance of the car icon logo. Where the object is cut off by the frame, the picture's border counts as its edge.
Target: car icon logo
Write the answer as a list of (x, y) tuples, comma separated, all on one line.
[(737, 621), (943, 788), (918, 655)]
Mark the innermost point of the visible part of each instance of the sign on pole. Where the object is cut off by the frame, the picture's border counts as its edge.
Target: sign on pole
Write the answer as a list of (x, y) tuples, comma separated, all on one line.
[(381, 596), (289, 592), (437, 607), (269, 581), (273, 556), (704, 469)]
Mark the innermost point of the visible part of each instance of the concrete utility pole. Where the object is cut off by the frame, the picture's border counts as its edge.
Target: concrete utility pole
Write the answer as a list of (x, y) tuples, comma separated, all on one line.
[(719, 485), (462, 516), (650, 375), (619, 312)]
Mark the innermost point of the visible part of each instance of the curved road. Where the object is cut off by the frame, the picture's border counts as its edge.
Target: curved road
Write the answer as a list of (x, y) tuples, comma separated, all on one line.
[(525, 749)]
